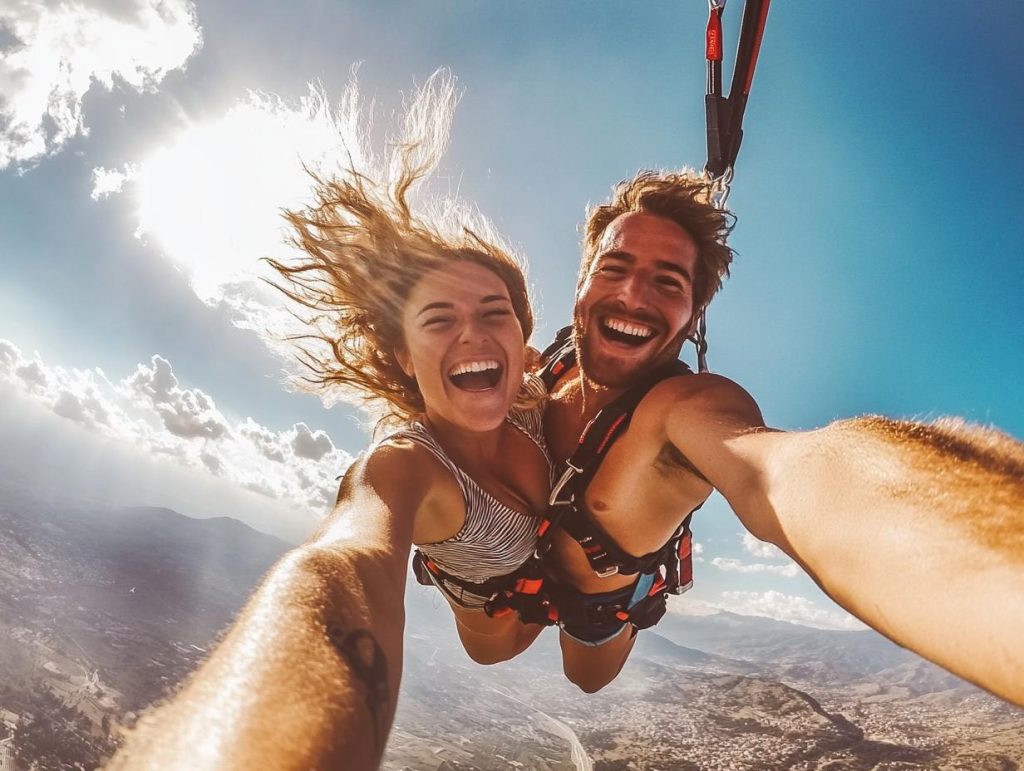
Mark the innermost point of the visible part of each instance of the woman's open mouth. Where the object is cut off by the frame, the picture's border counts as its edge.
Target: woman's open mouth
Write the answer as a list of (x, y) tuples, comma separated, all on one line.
[(479, 375)]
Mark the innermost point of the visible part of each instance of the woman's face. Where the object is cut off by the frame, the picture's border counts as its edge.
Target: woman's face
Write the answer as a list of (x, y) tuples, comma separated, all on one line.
[(463, 345)]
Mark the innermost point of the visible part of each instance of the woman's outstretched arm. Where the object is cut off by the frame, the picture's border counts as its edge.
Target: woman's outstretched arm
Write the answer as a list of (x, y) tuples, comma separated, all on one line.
[(308, 675)]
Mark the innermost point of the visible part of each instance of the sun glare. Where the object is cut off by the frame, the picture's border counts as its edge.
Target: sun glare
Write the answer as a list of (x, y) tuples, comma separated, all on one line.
[(211, 199)]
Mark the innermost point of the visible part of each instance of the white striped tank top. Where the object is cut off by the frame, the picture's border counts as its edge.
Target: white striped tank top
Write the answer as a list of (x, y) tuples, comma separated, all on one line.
[(495, 539)]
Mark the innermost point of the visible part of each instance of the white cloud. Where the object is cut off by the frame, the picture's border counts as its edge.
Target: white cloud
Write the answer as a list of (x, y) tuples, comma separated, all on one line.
[(787, 607), (758, 548), (212, 462), (690, 606), (310, 444), (32, 375), (265, 440), (87, 409), (9, 355), (184, 412), (151, 410), (698, 550), (735, 566), (58, 50), (38, 447), (107, 181)]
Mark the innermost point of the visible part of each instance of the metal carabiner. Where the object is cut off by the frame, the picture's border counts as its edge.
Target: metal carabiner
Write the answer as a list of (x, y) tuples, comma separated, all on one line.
[(570, 472), (721, 187)]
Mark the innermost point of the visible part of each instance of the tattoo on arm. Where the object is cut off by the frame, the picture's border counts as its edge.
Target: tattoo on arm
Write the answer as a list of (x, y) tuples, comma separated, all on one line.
[(367, 661)]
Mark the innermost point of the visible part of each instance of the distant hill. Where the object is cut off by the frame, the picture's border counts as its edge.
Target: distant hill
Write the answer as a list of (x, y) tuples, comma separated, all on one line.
[(801, 652), (143, 565), (126, 590)]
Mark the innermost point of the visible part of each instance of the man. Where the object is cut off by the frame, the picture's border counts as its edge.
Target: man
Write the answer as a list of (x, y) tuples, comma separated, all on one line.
[(917, 530)]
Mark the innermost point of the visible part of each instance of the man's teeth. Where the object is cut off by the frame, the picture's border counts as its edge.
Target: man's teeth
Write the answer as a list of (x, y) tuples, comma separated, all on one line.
[(629, 328), (474, 366)]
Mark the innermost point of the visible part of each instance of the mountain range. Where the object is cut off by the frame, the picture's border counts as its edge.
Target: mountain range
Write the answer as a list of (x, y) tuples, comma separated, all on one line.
[(109, 608)]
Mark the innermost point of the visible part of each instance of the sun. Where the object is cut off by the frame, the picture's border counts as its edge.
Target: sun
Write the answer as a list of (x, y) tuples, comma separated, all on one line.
[(211, 199)]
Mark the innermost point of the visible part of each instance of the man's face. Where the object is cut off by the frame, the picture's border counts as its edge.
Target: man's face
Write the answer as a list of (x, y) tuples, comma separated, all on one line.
[(634, 309)]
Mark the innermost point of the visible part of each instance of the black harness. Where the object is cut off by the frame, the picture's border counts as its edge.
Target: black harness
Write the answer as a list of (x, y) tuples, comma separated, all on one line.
[(671, 565), (519, 591), (528, 591)]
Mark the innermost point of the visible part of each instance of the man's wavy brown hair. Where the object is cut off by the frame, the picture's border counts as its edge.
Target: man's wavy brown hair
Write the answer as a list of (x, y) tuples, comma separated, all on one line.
[(686, 198), (362, 248)]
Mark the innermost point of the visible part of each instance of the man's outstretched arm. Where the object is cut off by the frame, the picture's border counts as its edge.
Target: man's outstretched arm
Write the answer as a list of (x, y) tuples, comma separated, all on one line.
[(308, 676), (916, 529)]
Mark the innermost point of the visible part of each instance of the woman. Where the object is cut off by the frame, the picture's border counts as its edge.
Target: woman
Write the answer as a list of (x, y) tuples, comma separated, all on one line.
[(426, 316)]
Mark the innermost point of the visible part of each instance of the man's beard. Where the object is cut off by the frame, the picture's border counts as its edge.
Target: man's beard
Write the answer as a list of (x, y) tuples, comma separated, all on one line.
[(609, 371)]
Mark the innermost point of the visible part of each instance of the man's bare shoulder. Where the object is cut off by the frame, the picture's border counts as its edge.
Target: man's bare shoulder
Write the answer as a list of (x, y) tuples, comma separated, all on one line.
[(703, 396)]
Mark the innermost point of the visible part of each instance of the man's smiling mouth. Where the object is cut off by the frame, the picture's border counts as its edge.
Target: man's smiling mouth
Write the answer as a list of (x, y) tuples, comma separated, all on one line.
[(476, 375), (631, 333)]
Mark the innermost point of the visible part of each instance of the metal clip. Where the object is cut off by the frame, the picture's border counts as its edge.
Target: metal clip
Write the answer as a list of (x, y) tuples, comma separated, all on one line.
[(570, 472)]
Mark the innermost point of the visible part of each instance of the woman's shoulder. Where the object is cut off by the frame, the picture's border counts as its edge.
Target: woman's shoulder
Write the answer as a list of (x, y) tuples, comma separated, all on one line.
[(410, 459), (402, 457), (403, 466), (414, 444)]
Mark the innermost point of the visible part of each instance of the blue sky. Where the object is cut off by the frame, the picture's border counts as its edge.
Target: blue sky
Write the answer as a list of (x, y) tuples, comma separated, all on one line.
[(877, 195)]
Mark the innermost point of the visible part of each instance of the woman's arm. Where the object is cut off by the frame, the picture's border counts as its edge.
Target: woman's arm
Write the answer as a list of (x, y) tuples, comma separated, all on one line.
[(308, 676)]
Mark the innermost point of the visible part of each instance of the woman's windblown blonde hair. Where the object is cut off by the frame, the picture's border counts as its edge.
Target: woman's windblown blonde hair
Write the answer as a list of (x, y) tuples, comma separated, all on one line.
[(362, 247)]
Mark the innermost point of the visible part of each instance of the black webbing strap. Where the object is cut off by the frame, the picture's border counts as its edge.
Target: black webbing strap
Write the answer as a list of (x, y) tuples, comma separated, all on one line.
[(604, 556), (557, 358), (671, 573), (504, 593), (725, 114)]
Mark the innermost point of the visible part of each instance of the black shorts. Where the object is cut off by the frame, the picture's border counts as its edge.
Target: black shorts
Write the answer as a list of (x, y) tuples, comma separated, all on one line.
[(593, 633)]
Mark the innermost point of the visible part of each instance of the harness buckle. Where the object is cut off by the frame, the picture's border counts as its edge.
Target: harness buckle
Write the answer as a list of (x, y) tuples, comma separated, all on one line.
[(555, 498), (609, 571)]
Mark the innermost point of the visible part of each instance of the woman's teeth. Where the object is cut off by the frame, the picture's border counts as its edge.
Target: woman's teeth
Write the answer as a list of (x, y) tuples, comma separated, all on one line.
[(474, 366), (476, 375)]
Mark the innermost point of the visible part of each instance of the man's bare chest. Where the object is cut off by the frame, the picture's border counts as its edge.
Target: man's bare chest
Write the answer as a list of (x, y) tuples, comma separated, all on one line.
[(644, 487)]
